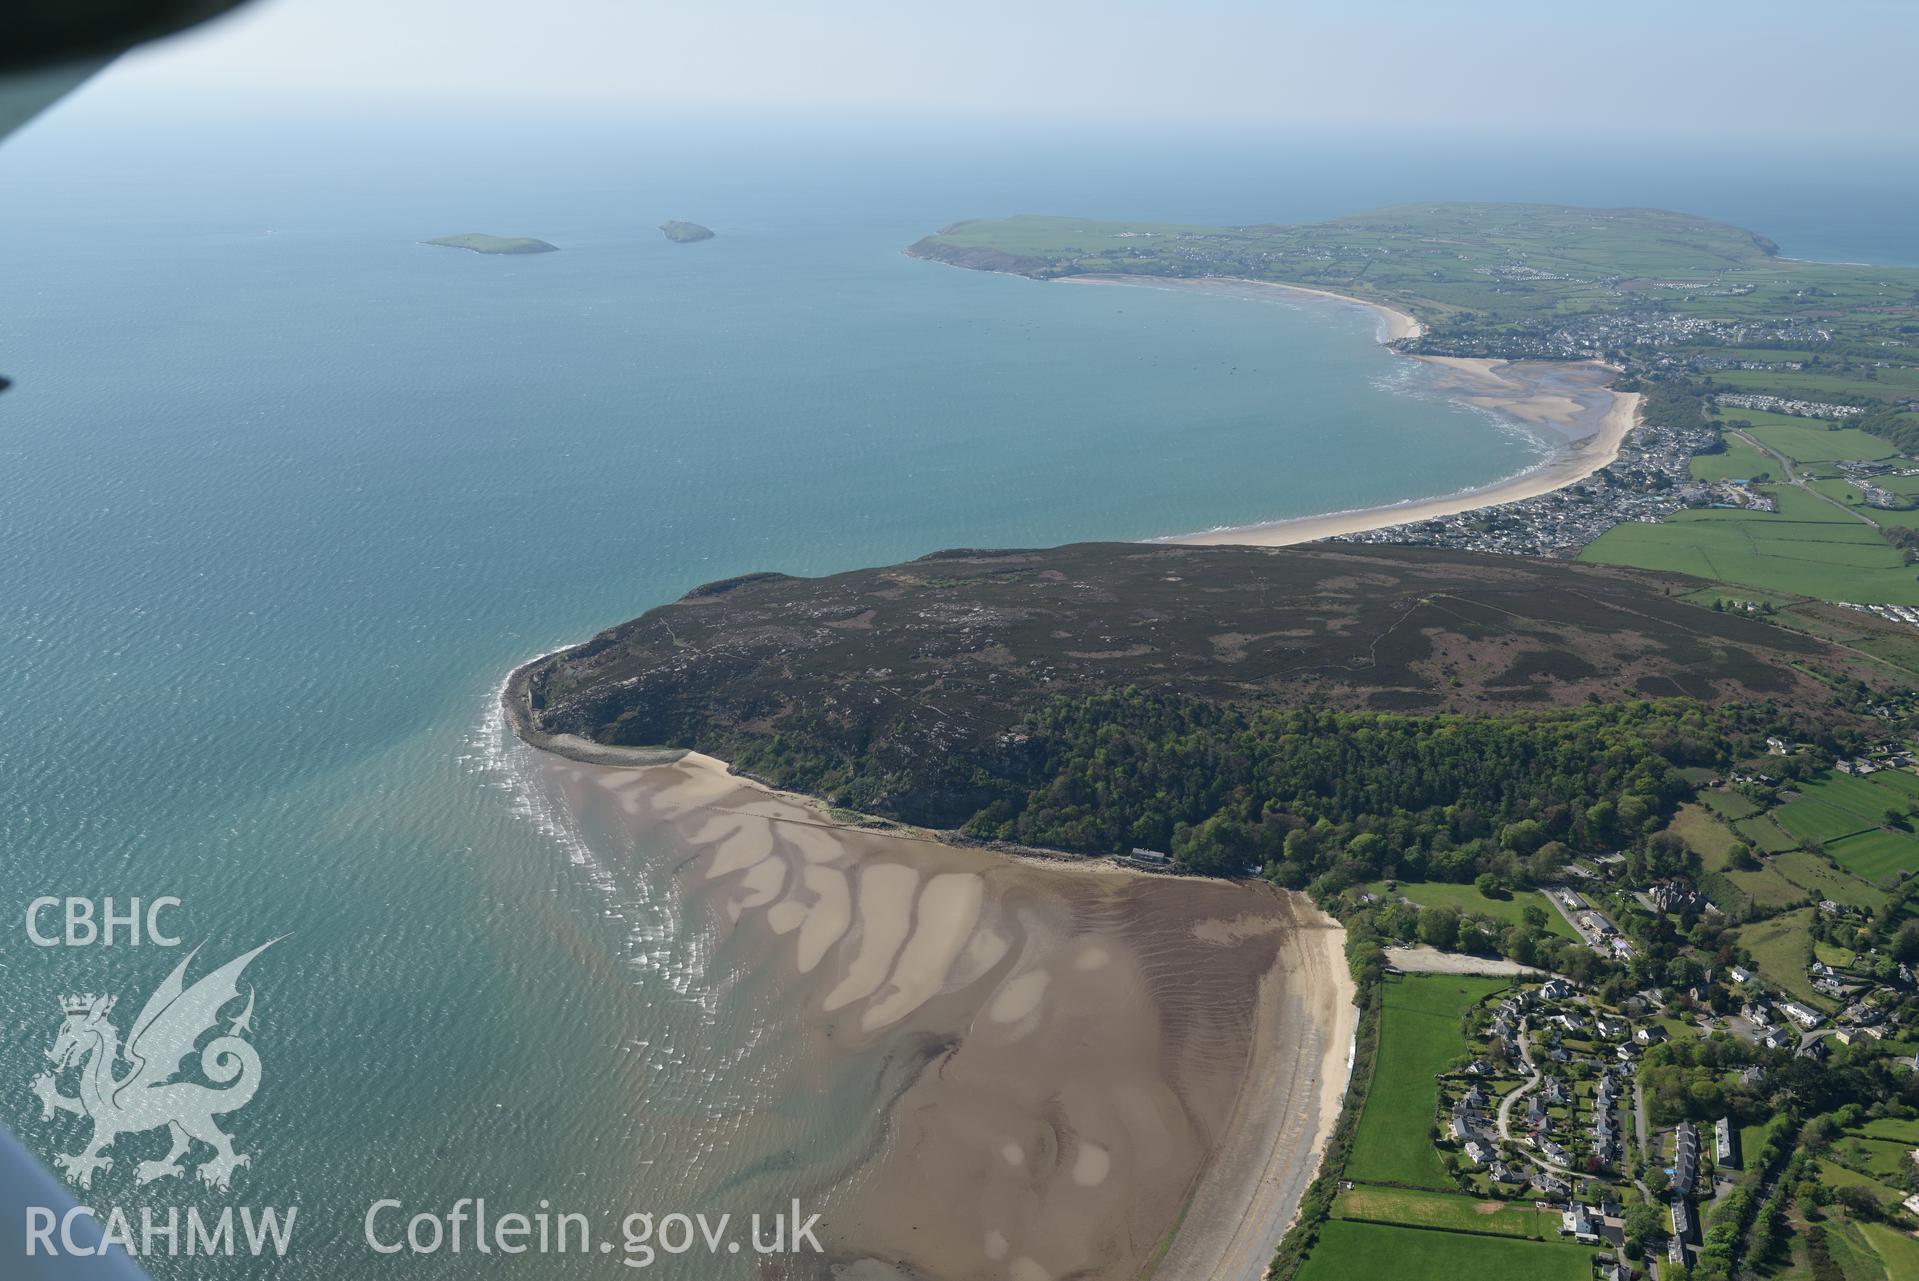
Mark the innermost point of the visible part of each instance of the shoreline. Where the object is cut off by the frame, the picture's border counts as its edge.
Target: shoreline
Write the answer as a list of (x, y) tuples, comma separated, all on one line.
[(1250, 1193), (1576, 460), (1395, 325), (1268, 1134), (1520, 391)]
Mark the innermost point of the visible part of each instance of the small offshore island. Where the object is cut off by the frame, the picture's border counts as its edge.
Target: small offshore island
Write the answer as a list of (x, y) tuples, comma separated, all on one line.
[(481, 243), (686, 233)]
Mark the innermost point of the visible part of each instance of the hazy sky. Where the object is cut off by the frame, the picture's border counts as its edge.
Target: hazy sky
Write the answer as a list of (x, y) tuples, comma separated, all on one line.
[(1760, 67)]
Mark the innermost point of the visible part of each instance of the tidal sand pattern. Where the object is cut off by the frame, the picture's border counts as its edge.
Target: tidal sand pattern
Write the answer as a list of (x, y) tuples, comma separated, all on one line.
[(1080, 1059)]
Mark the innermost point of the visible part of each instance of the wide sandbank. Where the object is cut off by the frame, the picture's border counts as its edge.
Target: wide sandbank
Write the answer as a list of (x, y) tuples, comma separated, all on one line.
[(1568, 403), (1108, 1074)]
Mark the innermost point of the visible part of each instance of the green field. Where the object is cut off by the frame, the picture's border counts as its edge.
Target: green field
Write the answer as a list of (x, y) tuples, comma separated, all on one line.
[(1839, 806), (1418, 1038), (1845, 492), (1729, 805), (1349, 1251), (1832, 954), (1708, 837), (1834, 1175), (1807, 548), (1443, 1210), (1813, 821), (1766, 887), (1712, 840), (1901, 781), (1892, 1128), (1897, 1249), (1853, 1258), (1780, 948), (1861, 797), (1884, 1159), (1877, 856), (1764, 835), (1739, 461), (1814, 874), (1807, 441), (1468, 899)]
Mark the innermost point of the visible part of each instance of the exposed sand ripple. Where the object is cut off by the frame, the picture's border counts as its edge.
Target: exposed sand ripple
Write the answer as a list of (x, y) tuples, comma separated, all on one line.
[(1077, 1050)]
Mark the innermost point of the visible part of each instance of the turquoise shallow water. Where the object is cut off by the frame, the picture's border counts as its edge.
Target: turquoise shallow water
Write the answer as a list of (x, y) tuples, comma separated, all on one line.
[(283, 494)]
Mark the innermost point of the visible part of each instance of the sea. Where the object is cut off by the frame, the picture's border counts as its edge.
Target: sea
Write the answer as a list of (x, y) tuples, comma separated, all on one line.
[(284, 494)]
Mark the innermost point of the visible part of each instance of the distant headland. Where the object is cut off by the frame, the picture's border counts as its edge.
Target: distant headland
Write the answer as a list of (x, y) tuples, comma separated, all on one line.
[(480, 243), (685, 233)]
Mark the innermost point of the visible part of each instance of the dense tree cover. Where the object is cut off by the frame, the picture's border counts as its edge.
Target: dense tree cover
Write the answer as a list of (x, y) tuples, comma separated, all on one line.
[(1672, 401), (1329, 799), (1527, 941), (1697, 1080), (1729, 1218)]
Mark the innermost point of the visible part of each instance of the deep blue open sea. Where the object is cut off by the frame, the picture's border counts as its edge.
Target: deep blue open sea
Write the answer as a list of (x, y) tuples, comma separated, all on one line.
[(284, 494)]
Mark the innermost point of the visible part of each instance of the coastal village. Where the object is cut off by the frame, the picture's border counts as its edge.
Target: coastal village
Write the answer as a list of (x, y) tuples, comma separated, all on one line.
[(1650, 480), (1675, 1088), (1638, 962), (1694, 1100)]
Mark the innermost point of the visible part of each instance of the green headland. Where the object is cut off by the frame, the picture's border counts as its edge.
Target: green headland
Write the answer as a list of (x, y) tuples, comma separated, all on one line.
[(685, 233)]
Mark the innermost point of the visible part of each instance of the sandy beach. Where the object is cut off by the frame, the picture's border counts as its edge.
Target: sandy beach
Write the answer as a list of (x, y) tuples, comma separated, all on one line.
[(1393, 323), (1567, 402), (1084, 1058)]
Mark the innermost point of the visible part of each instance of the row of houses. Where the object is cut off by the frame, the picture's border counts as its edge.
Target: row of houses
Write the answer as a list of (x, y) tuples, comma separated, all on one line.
[(1608, 1143), (1685, 1231), (1685, 1167)]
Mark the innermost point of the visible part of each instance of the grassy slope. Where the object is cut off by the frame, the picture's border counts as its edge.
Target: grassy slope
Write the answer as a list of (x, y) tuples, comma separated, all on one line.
[(1817, 876), (1877, 856), (1806, 548), (1351, 1251), (1419, 1036), (1779, 948), (1469, 900), (1898, 1249), (1445, 1210), (1739, 461)]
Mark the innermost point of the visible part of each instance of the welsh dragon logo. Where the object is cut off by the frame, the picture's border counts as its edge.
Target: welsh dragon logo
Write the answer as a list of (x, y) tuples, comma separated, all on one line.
[(146, 1095)]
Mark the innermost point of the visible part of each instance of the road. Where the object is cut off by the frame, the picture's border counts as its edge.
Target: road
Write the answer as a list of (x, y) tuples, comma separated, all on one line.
[(1506, 1112), (1532, 1083), (1794, 478)]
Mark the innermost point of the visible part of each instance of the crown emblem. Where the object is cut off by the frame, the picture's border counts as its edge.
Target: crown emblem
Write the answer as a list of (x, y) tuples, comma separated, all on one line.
[(84, 1004)]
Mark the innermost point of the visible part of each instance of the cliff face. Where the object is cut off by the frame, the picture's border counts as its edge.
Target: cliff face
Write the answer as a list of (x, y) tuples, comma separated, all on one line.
[(903, 690)]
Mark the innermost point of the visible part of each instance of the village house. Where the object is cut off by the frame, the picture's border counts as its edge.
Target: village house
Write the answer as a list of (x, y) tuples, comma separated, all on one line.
[(1685, 1169), (1803, 1015), (1576, 1221), (1682, 1231)]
